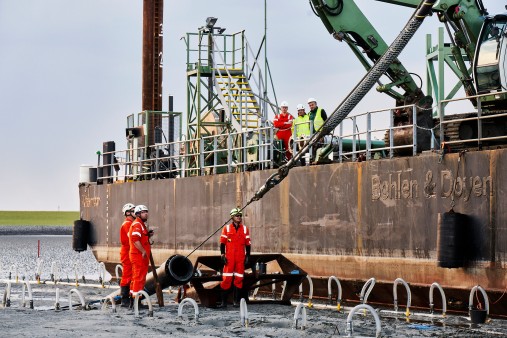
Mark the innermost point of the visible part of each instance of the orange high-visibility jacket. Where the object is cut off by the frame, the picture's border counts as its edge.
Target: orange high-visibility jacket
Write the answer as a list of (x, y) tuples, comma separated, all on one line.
[(124, 237), (139, 232), (235, 241)]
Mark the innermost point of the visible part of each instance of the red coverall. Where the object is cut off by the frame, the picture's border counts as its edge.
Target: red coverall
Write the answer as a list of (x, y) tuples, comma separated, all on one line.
[(235, 242), (139, 232), (126, 276), (284, 124)]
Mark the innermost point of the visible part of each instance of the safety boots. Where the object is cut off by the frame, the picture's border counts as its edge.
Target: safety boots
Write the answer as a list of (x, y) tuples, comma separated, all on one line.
[(125, 296), (223, 298), (237, 297)]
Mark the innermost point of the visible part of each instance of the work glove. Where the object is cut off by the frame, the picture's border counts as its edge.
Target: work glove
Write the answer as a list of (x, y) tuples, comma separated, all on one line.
[(224, 259), (247, 259)]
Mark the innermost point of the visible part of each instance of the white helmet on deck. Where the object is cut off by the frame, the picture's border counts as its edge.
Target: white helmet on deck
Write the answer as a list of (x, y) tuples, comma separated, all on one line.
[(140, 208), (127, 207)]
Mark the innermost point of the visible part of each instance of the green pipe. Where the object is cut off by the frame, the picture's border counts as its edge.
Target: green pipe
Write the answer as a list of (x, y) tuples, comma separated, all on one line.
[(347, 144)]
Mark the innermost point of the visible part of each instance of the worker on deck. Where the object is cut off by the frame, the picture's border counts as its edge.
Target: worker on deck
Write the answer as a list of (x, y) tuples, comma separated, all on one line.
[(317, 118), (301, 128), (317, 115), (140, 249), (283, 122), (235, 253), (126, 276)]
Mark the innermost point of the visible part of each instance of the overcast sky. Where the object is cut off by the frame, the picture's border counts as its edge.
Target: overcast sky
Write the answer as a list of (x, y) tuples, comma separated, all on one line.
[(70, 73)]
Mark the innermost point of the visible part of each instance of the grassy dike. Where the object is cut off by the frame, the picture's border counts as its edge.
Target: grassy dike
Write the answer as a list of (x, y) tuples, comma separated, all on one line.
[(38, 217)]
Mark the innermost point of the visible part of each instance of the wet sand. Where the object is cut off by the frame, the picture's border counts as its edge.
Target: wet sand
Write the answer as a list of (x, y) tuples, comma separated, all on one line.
[(263, 320)]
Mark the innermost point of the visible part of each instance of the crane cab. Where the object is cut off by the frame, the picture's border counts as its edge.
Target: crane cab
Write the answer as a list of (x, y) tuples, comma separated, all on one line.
[(490, 69)]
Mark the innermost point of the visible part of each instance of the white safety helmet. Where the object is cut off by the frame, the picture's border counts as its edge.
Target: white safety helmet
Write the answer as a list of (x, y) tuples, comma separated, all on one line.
[(284, 104), (311, 99), (300, 106), (235, 211), (127, 207), (140, 208)]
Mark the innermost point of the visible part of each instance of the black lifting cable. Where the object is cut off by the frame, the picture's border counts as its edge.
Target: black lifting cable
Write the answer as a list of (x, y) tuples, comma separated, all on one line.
[(346, 106)]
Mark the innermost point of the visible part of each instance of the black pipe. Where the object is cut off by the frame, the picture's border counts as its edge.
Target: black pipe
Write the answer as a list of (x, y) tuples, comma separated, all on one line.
[(177, 270)]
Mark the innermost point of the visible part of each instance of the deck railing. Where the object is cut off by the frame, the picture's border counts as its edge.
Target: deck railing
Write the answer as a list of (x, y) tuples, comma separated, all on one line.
[(357, 138), (224, 153)]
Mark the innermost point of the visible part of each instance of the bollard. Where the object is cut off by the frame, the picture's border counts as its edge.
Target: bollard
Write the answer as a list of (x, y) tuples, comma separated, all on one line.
[(243, 312), (38, 272), (7, 295), (273, 289), (136, 303), (81, 298), (76, 274), (26, 286), (102, 273), (111, 300), (310, 292), (350, 328), (366, 290), (395, 295), (15, 269), (330, 293), (55, 272), (117, 268), (194, 304), (300, 310), (444, 301), (57, 300), (254, 295), (284, 285), (471, 300)]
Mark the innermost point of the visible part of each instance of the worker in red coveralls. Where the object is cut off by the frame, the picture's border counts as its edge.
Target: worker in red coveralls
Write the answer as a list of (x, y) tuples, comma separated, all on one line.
[(140, 249), (235, 254), (283, 122), (126, 276)]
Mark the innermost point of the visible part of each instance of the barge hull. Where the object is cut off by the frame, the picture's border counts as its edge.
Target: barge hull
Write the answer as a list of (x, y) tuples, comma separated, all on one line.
[(351, 220)]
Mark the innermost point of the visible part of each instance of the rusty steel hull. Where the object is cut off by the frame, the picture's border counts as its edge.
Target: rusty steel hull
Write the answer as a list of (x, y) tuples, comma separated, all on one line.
[(351, 220)]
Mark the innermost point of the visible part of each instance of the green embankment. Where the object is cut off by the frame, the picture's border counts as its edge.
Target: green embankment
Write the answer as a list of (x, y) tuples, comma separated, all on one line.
[(38, 217)]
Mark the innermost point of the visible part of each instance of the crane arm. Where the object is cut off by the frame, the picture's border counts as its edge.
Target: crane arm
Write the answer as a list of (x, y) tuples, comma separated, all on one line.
[(346, 22)]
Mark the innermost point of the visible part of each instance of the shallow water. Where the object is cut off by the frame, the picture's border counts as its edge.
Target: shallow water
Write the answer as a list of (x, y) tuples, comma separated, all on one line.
[(21, 253), (264, 320)]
